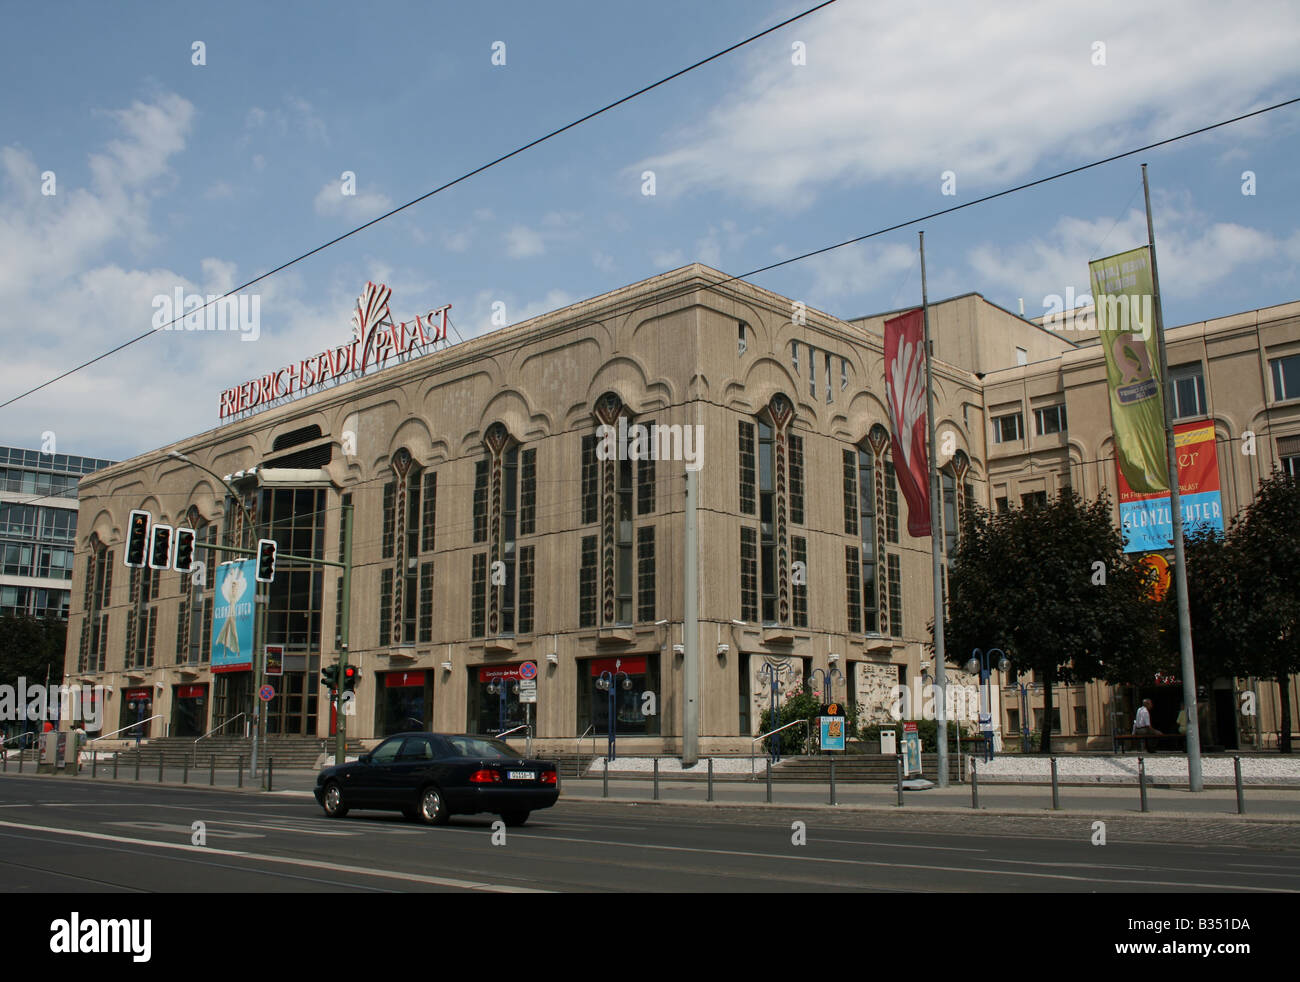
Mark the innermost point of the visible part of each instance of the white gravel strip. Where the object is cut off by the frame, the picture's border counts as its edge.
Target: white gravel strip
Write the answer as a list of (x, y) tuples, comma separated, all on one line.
[(673, 765), (1161, 768)]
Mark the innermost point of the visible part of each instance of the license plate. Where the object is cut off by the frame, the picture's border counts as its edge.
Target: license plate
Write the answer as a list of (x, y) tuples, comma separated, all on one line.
[(521, 775)]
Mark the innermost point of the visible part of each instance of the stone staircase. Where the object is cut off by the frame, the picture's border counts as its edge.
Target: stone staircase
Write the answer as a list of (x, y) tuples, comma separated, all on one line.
[(287, 752), (866, 768)]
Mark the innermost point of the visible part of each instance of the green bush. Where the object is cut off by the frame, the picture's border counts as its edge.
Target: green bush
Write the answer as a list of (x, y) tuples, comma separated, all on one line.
[(927, 729), (801, 703)]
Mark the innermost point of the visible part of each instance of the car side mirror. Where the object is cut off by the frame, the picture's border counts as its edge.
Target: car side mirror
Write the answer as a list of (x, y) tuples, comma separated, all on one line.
[(364, 758)]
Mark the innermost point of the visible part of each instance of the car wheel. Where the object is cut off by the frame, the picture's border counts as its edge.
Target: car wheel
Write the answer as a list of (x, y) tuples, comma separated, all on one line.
[(514, 819), (432, 809), (332, 801)]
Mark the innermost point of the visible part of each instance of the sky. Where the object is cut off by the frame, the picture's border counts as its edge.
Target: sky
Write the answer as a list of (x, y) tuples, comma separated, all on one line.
[(134, 163)]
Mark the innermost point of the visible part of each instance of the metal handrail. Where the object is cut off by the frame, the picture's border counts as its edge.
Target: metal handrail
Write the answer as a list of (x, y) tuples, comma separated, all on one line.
[(141, 722), (194, 754), (522, 726), (578, 745), (753, 758)]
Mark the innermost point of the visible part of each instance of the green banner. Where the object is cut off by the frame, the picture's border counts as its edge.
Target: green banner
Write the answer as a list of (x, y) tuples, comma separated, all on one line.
[(1125, 309)]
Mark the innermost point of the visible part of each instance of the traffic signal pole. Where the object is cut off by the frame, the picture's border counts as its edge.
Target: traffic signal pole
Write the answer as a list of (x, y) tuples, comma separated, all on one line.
[(341, 725)]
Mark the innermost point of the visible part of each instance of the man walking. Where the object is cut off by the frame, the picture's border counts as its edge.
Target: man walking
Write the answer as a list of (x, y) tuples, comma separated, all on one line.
[(1142, 723)]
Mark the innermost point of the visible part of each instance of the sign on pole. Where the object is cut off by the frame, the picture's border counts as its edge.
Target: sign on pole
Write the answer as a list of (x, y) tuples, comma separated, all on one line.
[(528, 690), (266, 693), (832, 727), (274, 659), (912, 744)]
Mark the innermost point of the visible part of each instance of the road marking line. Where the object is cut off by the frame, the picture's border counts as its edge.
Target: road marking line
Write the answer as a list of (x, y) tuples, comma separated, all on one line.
[(284, 860), (918, 866)]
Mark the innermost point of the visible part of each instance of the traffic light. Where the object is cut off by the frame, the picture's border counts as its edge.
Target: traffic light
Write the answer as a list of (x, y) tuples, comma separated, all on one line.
[(137, 538), (329, 677), (184, 561), (351, 676), (160, 547), (265, 560)]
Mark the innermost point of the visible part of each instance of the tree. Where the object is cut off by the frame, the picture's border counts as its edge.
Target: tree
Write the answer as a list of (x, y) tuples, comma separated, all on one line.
[(31, 649), (1249, 590), (1052, 587)]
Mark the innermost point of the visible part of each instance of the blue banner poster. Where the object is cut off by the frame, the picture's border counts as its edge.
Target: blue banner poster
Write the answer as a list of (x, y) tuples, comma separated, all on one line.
[(232, 617)]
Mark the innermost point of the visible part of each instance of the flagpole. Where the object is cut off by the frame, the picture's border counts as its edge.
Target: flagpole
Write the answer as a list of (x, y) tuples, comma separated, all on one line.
[(1195, 781), (932, 475)]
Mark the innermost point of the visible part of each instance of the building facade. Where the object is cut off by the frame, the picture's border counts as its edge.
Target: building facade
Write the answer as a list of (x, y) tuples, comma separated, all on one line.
[(38, 528), (520, 498)]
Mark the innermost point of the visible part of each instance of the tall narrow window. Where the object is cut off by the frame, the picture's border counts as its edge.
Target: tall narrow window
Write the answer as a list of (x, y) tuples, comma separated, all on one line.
[(528, 493), (480, 500), (590, 482), (794, 356), (411, 574), (338, 583), (828, 377), (796, 479), (428, 521), (767, 521), (895, 596), (746, 467), (891, 502), (854, 584), (869, 548), (742, 342), (748, 575), (509, 520), (390, 518), (526, 589), (385, 606), (645, 573), (478, 596), (850, 493), (645, 487), (799, 590), (426, 602), (949, 512), (812, 372), (587, 583), (623, 566)]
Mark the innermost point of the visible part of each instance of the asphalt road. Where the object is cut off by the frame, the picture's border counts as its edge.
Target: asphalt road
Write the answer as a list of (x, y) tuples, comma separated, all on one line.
[(61, 836)]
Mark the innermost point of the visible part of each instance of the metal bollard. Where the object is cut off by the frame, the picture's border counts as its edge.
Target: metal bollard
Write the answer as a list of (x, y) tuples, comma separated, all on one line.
[(1241, 791), (20, 760), (137, 763), (1142, 781), (241, 770), (212, 770), (94, 763), (656, 779), (769, 780), (833, 801), (161, 758), (604, 779), (974, 782), (710, 798), (185, 772), (1056, 790), (270, 772), (4, 759), (115, 756), (900, 780)]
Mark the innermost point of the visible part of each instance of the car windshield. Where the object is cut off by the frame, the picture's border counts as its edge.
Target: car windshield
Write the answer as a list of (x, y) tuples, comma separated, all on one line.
[(468, 746)]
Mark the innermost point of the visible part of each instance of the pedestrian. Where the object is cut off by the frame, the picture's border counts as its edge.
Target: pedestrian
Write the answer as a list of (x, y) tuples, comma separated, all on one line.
[(1142, 724)]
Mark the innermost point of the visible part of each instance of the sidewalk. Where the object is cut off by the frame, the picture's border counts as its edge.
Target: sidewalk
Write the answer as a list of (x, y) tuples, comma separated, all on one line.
[(1262, 803)]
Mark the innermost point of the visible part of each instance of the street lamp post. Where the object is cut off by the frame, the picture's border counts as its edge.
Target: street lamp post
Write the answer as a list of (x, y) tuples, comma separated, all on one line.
[(979, 662), (828, 681), (607, 682), (774, 673)]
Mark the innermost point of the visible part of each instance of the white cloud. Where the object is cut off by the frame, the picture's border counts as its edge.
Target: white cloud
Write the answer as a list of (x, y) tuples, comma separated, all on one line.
[(522, 242), (1195, 254), (987, 92), (360, 207)]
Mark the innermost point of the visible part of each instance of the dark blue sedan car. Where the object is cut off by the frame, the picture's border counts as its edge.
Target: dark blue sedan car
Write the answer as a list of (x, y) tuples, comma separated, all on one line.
[(431, 776)]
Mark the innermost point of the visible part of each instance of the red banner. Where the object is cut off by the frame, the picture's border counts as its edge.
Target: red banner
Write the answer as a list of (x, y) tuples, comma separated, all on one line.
[(403, 680), (191, 691), (905, 395), (633, 666), (488, 673)]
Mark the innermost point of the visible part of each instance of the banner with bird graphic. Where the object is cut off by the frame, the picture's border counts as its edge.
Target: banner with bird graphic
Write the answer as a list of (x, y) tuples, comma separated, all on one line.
[(1124, 300), (905, 396), (232, 617)]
